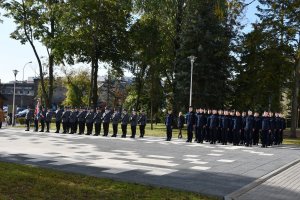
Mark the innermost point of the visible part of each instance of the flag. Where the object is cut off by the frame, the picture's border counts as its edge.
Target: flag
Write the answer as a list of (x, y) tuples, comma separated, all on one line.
[(37, 108)]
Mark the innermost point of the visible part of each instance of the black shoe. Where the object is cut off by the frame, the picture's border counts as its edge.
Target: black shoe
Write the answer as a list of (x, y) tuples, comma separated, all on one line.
[(95, 134), (114, 136), (132, 137), (26, 130), (123, 136), (41, 131)]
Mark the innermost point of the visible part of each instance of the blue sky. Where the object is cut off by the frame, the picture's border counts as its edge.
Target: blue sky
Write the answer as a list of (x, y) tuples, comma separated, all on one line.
[(13, 55)]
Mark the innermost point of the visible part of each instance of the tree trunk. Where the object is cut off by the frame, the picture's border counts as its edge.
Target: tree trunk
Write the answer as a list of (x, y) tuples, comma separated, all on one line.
[(95, 88), (295, 102), (51, 78), (91, 83)]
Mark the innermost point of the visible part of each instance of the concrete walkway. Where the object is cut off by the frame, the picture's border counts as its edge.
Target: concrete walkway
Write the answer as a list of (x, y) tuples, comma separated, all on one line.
[(282, 184)]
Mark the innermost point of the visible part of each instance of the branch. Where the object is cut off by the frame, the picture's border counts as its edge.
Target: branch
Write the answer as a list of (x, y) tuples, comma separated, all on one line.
[(247, 4)]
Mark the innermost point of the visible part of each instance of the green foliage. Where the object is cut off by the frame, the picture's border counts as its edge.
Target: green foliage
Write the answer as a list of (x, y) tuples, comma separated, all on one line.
[(77, 84)]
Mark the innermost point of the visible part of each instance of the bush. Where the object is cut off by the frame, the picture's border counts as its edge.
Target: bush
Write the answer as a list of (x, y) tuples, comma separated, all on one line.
[(20, 120)]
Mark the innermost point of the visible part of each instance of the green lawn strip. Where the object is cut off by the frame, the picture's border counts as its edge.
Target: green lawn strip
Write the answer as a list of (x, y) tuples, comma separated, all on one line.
[(28, 182)]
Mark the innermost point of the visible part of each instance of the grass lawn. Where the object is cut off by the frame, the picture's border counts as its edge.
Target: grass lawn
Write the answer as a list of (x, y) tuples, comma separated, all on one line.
[(295, 141), (29, 182)]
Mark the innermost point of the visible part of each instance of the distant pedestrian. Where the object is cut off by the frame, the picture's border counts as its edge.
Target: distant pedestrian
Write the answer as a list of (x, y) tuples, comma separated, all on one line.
[(1, 117)]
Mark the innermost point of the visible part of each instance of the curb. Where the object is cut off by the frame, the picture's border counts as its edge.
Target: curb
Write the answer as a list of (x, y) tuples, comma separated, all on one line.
[(234, 195)]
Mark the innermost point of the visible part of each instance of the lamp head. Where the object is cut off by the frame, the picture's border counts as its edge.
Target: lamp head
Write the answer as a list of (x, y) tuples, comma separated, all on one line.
[(15, 72), (192, 58)]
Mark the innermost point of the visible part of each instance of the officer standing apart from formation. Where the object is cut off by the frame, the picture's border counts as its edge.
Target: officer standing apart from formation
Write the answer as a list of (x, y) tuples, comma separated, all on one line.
[(48, 119), (28, 117), (169, 124), (180, 124), (133, 123), (142, 122), (124, 122), (58, 118), (115, 121)]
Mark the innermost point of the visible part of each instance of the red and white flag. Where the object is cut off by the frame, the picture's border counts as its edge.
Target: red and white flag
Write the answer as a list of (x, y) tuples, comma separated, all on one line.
[(37, 108)]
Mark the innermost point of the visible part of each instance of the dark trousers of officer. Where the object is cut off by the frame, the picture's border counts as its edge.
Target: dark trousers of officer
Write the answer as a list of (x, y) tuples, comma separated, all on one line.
[(189, 133), (81, 127), (124, 130), (65, 127), (105, 128), (224, 135), (0, 124), (270, 138), (75, 127), (248, 137), (255, 137), (89, 128), (48, 126), (36, 125), (207, 135), (57, 123), (230, 136), (27, 124), (236, 137), (280, 136), (42, 125), (180, 132), (72, 127), (97, 128), (213, 135), (115, 129), (242, 137), (133, 131), (169, 133), (219, 134), (199, 135), (264, 138), (276, 140), (142, 130)]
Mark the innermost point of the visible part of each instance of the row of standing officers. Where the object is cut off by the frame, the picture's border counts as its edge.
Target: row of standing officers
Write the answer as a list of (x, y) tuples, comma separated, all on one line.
[(73, 120)]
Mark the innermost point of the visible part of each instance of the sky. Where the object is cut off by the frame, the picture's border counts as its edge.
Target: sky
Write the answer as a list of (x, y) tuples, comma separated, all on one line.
[(14, 55)]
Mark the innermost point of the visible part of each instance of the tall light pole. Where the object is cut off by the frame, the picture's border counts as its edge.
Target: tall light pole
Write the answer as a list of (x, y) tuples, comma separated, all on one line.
[(24, 69), (14, 97), (23, 83), (192, 59)]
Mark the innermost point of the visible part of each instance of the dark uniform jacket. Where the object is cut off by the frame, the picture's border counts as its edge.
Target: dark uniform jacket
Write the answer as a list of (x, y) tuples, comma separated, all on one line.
[(81, 116), (214, 121), (58, 115), (169, 120), (106, 117), (277, 123), (133, 120), (180, 121), (73, 117), (238, 123), (220, 121), (98, 118), (272, 123), (115, 118), (89, 118), (266, 123), (226, 122), (257, 123), (190, 119), (125, 119), (29, 115), (201, 120), (49, 116), (43, 115), (282, 124), (249, 122), (142, 120), (65, 116)]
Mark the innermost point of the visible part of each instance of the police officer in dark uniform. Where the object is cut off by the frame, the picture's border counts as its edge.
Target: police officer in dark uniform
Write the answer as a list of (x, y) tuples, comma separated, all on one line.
[(208, 135), (214, 122), (169, 124), (65, 120), (200, 125), (249, 129), (58, 118), (48, 119), (282, 128), (36, 120), (266, 129), (106, 119), (28, 117), (190, 122), (231, 123), (98, 121), (115, 122), (237, 128), (180, 124), (142, 123), (89, 120), (42, 119), (225, 127), (257, 128), (277, 129), (272, 128), (243, 135), (133, 123), (81, 120), (73, 121), (220, 126), (124, 122)]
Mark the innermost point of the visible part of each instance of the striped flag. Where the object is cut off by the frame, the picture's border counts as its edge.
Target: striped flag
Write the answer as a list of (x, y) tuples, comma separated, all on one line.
[(37, 108)]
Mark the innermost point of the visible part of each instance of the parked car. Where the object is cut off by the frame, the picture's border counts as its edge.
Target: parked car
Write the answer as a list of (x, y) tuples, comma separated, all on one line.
[(21, 113), (5, 109)]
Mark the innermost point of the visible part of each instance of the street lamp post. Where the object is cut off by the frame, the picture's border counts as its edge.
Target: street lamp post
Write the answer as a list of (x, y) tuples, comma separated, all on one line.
[(192, 59), (23, 83), (14, 97)]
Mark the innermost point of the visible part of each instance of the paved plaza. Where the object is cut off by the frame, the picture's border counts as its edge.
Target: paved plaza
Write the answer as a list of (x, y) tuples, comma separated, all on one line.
[(223, 171)]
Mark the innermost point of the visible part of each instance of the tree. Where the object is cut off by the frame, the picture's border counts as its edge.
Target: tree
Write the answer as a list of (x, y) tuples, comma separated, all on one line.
[(37, 22), (280, 22), (96, 33)]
